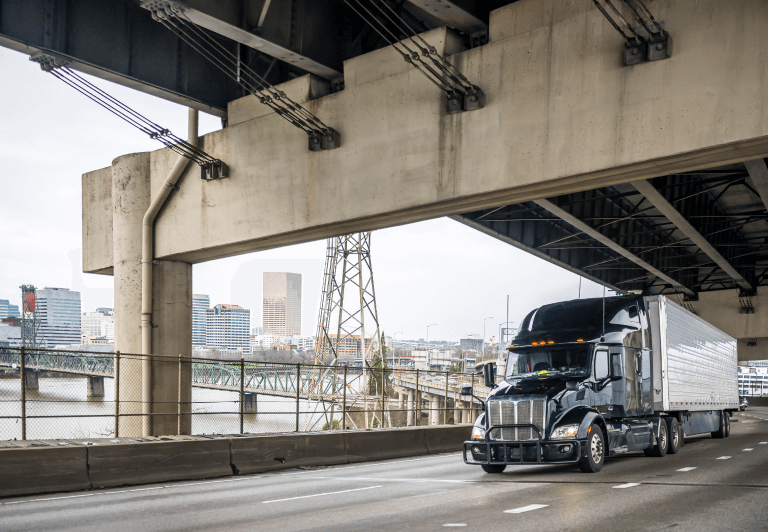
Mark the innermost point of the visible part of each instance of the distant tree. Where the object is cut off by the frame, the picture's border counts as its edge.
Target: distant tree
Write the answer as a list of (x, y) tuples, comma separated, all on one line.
[(336, 425)]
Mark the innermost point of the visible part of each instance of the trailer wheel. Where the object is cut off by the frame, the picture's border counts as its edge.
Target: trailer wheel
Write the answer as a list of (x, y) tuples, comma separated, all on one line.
[(593, 462), (673, 429), (659, 448), (494, 468), (722, 431)]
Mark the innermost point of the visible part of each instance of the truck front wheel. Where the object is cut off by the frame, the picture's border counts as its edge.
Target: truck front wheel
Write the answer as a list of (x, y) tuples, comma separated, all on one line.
[(493, 468), (593, 462)]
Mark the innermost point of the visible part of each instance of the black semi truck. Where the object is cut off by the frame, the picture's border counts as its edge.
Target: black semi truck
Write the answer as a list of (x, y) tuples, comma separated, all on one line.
[(593, 378)]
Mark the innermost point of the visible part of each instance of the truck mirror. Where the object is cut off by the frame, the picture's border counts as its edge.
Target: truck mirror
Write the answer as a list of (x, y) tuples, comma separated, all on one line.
[(489, 375), (572, 386), (466, 389), (601, 365)]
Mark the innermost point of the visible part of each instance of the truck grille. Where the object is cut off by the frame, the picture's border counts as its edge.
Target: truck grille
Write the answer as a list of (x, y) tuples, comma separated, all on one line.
[(508, 412)]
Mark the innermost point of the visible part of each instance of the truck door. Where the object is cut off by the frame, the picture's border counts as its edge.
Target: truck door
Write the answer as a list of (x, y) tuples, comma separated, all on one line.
[(602, 396)]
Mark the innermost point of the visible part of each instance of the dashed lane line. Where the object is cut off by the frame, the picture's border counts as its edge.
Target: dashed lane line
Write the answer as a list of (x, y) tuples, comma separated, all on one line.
[(686, 469), (628, 485), (723, 458), (321, 494), (524, 509), (455, 524), (747, 449)]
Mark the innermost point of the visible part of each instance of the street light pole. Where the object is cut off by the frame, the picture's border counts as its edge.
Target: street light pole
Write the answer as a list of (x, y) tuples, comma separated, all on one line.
[(486, 319), (428, 326), (394, 346)]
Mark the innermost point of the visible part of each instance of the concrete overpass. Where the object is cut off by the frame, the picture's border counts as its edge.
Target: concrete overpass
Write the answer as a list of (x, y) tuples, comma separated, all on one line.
[(570, 146)]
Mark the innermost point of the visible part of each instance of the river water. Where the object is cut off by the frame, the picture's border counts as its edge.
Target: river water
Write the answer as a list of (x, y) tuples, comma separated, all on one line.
[(213, 411)]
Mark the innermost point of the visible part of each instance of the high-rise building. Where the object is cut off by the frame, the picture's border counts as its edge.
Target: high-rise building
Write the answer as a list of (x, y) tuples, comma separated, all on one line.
[(7, 310), (200, 304), (99, 324), (58, 310), (257, 331), (228, 327), (282, 303)]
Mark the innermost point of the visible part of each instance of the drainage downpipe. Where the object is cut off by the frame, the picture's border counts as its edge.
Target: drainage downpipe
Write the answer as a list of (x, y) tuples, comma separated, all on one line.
[(147, 258)]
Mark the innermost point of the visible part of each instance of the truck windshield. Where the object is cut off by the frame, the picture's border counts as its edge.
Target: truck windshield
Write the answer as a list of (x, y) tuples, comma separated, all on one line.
[(552, 359)]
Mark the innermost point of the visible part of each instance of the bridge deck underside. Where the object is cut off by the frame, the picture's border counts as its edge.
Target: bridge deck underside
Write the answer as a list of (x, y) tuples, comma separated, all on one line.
[(720, 203)]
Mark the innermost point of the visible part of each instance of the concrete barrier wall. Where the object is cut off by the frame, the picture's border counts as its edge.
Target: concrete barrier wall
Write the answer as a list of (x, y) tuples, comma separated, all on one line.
[(43, 467)]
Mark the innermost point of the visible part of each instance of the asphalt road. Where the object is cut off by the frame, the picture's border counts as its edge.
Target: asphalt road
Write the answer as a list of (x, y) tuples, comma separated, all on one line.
[(709, 485)]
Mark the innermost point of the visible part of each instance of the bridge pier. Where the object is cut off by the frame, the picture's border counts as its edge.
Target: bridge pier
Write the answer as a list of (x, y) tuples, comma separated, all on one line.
[(148, 386), (250, 403), (31, 382), (411, 409), (95, 387)]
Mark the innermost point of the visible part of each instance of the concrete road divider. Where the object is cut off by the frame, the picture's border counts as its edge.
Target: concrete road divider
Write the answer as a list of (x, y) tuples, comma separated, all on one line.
[(380, 444), (268, 453), (447, 439), (145, 463), (43, 470)]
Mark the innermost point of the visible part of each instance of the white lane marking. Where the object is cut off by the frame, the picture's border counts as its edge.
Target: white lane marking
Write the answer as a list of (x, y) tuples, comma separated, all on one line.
[(686, 469), (419, 480), (763, 443), (629, 485), (747, 449), (320, 494), (52, 498), (129, 491), (455, 524), (723, 458), (378, 463), (526, 508)]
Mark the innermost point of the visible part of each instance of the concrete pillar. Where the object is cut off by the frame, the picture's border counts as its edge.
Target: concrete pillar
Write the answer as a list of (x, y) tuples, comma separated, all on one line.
[(434, 409), (457, 408), (95, 387), (400, 398), (250, 403), (31, 382), (172, 311), (410, 414)]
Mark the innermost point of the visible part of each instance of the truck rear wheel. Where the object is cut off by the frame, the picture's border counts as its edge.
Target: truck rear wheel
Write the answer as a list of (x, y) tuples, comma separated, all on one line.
[(673, 430), (593, 462), (494, 468), (659, 448), (722, 431)]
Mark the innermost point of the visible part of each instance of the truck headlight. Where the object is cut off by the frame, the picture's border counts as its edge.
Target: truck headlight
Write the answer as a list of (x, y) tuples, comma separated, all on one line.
[(478, 433), (565, 431)]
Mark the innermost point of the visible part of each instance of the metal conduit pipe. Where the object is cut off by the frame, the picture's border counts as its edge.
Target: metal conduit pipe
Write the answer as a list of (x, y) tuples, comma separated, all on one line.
[(147, 258)]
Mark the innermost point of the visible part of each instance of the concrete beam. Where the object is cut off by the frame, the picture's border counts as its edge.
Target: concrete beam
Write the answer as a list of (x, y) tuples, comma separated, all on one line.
[(251, 40), (452, 15), (672, 214), (595, 234), (759, 174)]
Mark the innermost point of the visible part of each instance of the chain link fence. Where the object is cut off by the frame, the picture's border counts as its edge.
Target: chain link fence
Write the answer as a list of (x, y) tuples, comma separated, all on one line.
[(81, 395)]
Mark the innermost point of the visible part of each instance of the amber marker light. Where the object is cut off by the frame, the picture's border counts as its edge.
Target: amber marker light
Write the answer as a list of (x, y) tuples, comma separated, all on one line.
[(551, 342), (535, 343), (579, 340)]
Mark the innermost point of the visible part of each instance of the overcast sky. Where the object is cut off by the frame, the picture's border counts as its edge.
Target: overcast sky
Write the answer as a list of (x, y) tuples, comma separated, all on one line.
[(438, 271)]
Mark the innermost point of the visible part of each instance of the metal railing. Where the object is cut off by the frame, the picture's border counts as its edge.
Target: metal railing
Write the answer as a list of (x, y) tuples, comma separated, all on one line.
[(81, 394)]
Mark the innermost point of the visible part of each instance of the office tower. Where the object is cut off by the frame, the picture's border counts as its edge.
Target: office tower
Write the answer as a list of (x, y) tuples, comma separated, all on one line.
[(7, 310), (282, 303), (228, 327), (200, 304), (99, 324), (58, 310)]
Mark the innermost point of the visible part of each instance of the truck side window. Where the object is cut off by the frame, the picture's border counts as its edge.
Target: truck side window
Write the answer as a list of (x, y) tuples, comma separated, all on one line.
[(616, 365), (601, 365)]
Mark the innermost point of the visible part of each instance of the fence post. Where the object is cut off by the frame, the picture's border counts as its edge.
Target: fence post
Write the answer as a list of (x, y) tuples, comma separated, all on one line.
[(383, 390), (23, 373), (344, 402), (242, 392), (298, 378), (445, 400), (178, 395), (117, 394), (417, 402)]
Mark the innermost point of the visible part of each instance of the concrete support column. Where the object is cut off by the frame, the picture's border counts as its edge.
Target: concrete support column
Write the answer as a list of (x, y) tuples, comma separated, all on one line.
[(409, 417), (172, 311), (95, 387), (457, 408), (400, 398), (434, 409), (31, 382), (250, 403)]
